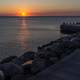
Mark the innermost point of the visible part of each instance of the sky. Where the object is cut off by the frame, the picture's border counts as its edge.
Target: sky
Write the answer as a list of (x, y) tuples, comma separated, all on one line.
[(40, 7)]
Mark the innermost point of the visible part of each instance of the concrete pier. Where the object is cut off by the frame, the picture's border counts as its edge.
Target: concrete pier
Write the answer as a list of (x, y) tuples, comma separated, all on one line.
[(70, 28)]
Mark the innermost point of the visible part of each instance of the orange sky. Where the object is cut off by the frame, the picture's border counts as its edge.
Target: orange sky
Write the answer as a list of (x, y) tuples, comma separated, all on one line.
[(40, 7)]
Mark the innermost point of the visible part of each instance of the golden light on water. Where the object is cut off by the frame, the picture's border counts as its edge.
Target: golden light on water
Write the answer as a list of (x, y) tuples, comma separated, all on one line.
[(23, 34)]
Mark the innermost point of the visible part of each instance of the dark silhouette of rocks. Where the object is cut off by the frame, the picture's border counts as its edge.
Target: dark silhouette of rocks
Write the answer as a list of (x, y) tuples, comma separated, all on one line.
[(46, 55), (25, 57), (38, 65), (8, 59), (10, 69)]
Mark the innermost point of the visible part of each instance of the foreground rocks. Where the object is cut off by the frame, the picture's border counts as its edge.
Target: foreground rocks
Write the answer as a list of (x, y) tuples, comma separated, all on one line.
[(45, 56)]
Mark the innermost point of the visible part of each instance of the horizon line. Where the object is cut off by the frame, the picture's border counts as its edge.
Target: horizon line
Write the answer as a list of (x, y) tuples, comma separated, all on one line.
[(42, 16)]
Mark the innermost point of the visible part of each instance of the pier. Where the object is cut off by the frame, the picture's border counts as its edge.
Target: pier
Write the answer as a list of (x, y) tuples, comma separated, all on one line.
[(70, 27)]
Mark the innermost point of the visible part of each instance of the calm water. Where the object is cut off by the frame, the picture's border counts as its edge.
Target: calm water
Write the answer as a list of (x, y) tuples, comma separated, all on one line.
[(18, 35)]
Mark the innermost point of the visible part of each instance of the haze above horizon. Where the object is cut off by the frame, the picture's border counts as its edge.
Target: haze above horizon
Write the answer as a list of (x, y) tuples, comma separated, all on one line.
[(40, 7)]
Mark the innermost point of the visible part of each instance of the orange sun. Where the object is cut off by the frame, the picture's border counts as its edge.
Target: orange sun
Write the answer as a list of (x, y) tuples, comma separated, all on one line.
[(23, 14)]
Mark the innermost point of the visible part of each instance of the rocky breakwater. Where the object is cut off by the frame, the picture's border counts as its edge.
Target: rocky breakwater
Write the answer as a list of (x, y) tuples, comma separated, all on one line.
[(45, 56)]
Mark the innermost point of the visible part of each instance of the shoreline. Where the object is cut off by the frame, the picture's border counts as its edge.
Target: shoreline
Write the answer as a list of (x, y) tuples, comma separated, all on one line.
[(46, 55)]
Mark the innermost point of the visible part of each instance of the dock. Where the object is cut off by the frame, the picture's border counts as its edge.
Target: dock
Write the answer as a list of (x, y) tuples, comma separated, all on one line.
[(70, 28)]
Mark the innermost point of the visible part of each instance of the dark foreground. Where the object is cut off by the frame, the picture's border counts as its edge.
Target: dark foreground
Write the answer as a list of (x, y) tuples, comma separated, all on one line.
[(66, 69), (57, 60)]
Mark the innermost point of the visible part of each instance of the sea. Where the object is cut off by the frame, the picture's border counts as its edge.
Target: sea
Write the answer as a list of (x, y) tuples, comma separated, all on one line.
[(22, 34)]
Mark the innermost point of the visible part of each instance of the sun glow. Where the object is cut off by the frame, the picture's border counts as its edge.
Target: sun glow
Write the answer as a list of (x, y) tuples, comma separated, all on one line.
[(24, 14)]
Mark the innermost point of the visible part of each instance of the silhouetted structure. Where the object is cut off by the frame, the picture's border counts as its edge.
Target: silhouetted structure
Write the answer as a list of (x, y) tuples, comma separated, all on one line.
[(68, 28)]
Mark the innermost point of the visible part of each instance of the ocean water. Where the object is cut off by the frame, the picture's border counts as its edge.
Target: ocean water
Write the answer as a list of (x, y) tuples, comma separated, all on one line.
[(21, 34)]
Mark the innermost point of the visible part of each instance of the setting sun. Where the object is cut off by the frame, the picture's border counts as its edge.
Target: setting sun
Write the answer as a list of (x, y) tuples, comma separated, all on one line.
[(23, 14)]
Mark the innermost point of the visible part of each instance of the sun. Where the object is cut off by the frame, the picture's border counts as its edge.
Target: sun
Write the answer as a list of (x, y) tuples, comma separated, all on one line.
[(23, 14)]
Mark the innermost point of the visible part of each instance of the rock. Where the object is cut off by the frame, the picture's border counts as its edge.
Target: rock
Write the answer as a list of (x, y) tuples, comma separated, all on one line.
[(38, 65), (8, 59), (25, 57), (40, 49), (11, 69), (76, 42), (19, 77), (51, 60), (27, 69), (51, 43), (2, 77)]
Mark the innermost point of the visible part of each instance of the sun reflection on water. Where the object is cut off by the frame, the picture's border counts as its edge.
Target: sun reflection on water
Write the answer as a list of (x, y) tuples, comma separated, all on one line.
[(23, 34)]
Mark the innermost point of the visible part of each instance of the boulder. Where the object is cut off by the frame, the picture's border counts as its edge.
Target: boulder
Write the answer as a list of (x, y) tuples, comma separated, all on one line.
[(38, 65), (8, 59), (10, 69), (25, 57)]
